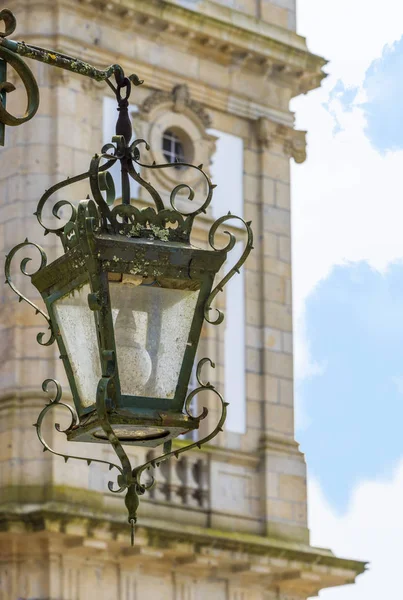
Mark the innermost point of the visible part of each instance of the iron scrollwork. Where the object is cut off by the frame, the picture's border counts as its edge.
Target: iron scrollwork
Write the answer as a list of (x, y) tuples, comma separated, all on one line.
[(56, 401), (128, 479), (235, 269), (101, 214), (21, 297)]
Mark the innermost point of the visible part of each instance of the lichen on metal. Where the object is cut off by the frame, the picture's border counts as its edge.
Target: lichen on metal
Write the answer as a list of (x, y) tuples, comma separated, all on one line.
[(107, 244)]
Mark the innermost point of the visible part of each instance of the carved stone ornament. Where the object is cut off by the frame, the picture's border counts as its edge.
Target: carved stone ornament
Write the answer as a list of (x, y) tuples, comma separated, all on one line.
[(178, 112), (295, 146), (180, 100), (264, 131), (292, 142)]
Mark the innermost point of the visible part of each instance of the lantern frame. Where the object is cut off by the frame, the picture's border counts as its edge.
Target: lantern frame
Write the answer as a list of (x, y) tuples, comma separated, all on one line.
[(117, 254), (103, 240)]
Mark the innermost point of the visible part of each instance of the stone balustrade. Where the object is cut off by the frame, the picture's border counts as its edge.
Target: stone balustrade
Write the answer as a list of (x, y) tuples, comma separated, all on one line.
[(182, 482)]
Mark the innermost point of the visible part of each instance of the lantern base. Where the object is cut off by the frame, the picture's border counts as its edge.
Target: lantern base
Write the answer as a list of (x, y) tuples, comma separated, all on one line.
[(146, 430)]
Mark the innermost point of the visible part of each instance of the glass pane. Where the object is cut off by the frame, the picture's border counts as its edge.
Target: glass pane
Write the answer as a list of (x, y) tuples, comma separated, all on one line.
[(77, 327), (152, 326)]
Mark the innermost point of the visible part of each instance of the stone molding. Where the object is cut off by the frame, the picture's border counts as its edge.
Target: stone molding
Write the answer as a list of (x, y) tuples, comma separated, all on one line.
[(221, 100), (279, 444), (292, 141), (231, 37)]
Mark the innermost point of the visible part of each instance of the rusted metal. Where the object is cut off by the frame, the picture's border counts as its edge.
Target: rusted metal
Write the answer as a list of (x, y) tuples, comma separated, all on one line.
[(11, 52)]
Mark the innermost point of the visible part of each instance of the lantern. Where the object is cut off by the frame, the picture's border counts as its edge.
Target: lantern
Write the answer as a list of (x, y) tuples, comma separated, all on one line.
[(126, 303)]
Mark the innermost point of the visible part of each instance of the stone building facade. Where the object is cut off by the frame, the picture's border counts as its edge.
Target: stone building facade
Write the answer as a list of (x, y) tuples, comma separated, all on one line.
[(228, 522)]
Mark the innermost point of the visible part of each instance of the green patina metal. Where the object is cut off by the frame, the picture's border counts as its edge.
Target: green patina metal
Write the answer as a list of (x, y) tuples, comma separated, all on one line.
[(103, 242)]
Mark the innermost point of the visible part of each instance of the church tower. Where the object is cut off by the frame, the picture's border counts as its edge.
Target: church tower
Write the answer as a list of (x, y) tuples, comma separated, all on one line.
[(228, 522)]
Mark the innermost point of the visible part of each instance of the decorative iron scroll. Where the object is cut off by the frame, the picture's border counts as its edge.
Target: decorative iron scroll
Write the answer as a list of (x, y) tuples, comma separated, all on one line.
[(56, 401), (129, 478), (235, 269), (101, 213), (21, 297)]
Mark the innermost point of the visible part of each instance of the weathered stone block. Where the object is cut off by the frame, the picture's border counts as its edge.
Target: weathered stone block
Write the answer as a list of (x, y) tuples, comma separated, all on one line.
[(254, 383), (279, 418), (278, 315), (273, 339), (277, 166), (284, 246), (277, 267), (274, 288), (279, 509), (277, 220), (286, 392), (254, 414), (254, 336), (292, 487), (272, 389), (253, 360)]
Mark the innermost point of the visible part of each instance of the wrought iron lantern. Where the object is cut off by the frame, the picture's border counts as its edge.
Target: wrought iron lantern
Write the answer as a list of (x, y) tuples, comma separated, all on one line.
[(127, 300)]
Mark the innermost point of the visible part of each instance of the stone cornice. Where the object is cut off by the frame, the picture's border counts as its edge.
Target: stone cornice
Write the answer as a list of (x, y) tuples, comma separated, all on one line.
[(197, 541), (227, 35), (221, 100)]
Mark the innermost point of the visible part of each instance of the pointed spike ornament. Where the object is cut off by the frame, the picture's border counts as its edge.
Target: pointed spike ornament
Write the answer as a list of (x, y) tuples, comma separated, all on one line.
[(132, 524)]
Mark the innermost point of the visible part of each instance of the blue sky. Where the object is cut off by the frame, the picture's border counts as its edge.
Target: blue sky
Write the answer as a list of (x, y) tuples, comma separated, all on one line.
[(347, 204), (355, 324)]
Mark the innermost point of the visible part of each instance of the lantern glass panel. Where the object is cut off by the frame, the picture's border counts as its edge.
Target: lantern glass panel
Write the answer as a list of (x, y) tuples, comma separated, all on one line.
[(77, 327), (152, 326)]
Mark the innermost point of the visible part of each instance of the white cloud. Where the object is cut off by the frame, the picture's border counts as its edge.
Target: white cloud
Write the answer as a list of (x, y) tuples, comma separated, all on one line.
[(347, 198), (370, 530)]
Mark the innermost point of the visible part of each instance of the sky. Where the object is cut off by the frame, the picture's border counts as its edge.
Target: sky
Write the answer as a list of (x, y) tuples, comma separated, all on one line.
[(347, 207)]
